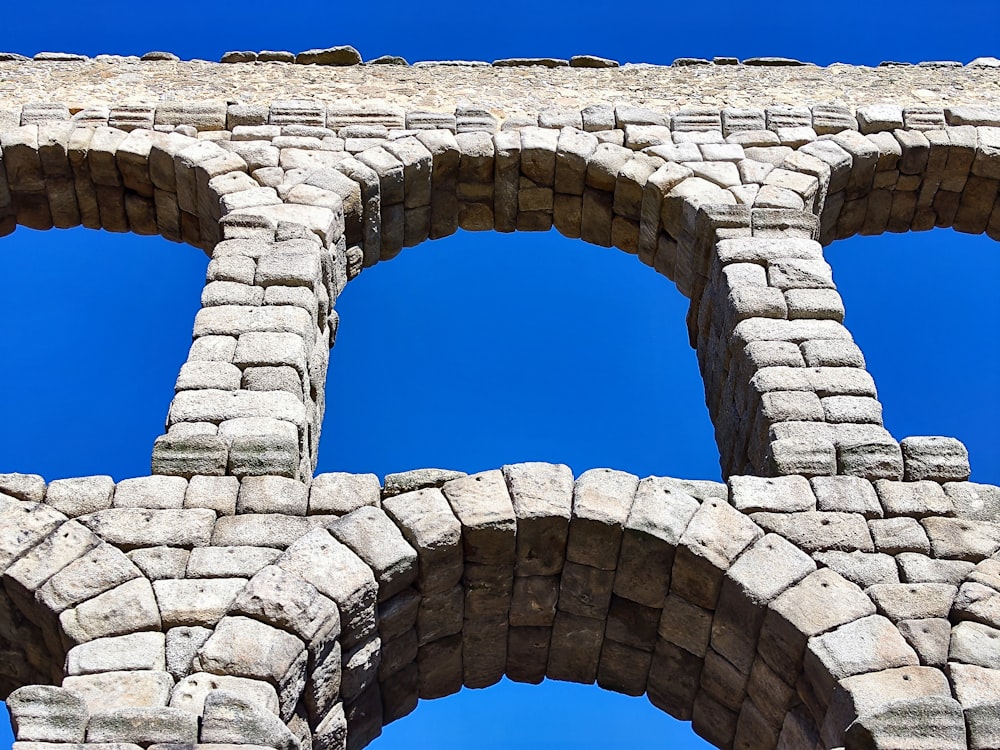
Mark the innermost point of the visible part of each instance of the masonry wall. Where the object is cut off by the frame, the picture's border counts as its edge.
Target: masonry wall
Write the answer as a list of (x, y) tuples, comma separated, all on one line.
[(841, 589)]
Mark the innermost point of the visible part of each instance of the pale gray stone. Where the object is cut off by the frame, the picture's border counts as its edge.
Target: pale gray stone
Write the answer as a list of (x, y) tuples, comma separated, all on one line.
[(714, 538), (429, 525), (862, 568), (160, 562), (181, 646), (100, 570), (782, 494), (127, 689), (374, 538), (215, 493), (260, 530), (659, 515), (272, 495), (124, 609), (195, 601), (483, 506), (340, 575), (542, 497), (976, 644), (230, 717), (602, 499), (135, 651), (340, 493), (229, 562), (28, 487), (40, 713), (143, 726), (67, 543), (141, 527)]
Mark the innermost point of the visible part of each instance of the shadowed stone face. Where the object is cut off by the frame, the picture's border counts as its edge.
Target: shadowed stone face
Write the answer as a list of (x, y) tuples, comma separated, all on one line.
[(839, 589)]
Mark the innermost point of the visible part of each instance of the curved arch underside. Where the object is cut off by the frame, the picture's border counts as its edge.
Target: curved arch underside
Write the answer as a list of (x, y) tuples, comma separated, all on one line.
[(841, 590)]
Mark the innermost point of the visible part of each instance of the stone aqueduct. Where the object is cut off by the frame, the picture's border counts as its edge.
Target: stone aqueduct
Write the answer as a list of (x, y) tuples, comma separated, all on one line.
[(842, 589)]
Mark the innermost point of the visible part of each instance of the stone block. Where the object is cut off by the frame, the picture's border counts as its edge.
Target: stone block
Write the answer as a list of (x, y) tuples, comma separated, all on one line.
[(895, 535), (440, 667), (817, 531), (124, 609), (959, 539), (143, 726), (939, 459), (659, 515), (575, 648), (80, 495), (260, 530), (231, 718), (158, 492), (862, 568), (976, 644), (686, 625), (129, 528), (541, 496), (285, 600), (440, 614), (779, 494), (845, 494), (715, 537), (40, 713), (602, 499), (483, 506), (429, 525), (917, 568), (374, 538), (870, 644), (27, 487), (265, 494), (340, 493), (928, 638), (127, 689), (67, 543), (135, 651), (761, 574), (914, 499), (182, 644), (908, 601), (340, 575), (803, 611)]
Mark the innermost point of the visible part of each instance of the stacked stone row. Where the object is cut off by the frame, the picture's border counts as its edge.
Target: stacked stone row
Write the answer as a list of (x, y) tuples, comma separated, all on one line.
[(251, 396), (664, 187), (247, 611)]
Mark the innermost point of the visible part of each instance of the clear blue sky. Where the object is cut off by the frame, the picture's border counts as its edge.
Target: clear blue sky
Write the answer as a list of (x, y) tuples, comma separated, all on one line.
[(484, 349)]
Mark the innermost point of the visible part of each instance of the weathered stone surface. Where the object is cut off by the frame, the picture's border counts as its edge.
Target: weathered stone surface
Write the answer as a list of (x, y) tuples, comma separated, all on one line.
[(802, 612), (659, 515), (40, 713), (80, 495), (195, 602), (541, 496), (124, 652), (374, 538), (127, 689), (976, 644), (715, 536), (129, 607), (429, 525), (143, 726), (190, 693), (483, 506), (602, 499), (231, 718), (340, 575), (246, 648)]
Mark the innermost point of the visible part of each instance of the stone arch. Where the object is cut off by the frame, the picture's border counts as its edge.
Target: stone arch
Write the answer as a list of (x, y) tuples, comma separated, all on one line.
[(235, 468)]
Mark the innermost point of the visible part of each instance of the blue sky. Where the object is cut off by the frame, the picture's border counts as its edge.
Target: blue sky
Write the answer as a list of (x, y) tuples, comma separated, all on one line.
[(483, 349)]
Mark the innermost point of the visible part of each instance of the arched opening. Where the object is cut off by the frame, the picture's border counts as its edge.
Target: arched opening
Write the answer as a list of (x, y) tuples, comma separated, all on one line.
[(482, 349), (553, 714), (96, 326), (921, 308)]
